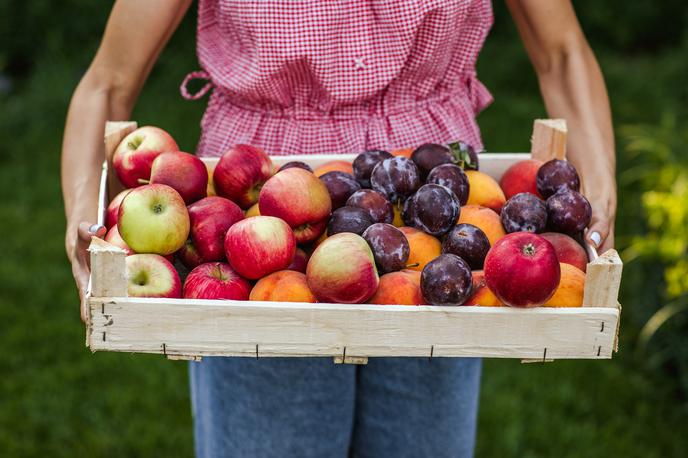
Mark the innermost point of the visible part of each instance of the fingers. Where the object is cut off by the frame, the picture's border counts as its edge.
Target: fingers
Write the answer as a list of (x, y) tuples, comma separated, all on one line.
[(88, 230), (598, 232)]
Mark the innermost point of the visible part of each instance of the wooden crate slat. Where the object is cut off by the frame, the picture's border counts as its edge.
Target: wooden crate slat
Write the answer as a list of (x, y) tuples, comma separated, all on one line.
[(294, 329)]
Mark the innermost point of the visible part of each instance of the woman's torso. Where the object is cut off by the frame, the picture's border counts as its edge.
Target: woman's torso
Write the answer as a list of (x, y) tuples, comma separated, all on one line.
[(313, 76)]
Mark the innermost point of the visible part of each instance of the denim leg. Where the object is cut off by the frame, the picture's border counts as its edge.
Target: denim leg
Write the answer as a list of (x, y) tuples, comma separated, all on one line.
[(272, 407), (414, 407)]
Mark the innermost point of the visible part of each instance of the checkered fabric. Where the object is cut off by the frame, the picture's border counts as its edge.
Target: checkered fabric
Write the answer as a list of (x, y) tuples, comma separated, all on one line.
[(339, 76)]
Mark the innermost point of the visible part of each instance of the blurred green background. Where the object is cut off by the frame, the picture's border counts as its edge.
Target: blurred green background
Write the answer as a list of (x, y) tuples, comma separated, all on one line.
[(58, 399)]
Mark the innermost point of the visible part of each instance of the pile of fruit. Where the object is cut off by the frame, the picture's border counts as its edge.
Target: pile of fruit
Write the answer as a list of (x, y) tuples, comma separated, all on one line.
[(410, 227)]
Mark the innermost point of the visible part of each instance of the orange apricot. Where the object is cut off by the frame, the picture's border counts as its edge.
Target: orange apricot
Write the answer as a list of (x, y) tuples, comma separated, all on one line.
[(482, 295), (485, 191), (484, 218), (331, 166), (401, 288), (282, 286), (423, 247), (569, 293)]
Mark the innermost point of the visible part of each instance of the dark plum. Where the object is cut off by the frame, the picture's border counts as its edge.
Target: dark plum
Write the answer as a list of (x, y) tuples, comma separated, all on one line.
[(524, 212), (435, 209), (348, 219), (430, 155), (395, 178), (297, 164), (568, 212), (390, 247), (446, 280), (453, 177), (469, 243), (379, 208), (364, 164), (341, 186), (555, 175), (464, 155), (407, 212)]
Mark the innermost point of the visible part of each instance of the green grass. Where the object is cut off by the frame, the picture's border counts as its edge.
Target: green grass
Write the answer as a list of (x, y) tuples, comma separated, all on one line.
[(58, 399)]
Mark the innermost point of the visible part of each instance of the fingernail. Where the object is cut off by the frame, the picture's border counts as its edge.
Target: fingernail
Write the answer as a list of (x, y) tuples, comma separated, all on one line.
[(596, 238), (94, 228)]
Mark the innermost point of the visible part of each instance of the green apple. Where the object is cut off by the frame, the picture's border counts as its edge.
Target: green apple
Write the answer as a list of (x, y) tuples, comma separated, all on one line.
[(153, 219)]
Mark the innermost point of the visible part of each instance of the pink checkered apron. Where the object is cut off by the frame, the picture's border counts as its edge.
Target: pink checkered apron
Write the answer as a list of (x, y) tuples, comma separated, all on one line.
[(330, 77)]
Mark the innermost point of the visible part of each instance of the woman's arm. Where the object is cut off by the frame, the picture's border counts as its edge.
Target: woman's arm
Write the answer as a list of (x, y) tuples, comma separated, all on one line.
[(135, 34), (573, 88)]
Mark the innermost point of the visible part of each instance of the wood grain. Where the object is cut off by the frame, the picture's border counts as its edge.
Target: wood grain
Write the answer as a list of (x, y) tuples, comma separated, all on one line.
[(603, 280), (549, 139), (261, 329)]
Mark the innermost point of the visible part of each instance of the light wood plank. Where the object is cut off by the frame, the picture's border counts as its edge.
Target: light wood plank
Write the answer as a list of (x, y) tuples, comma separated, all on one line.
[(549, 139), (260, 329), (602, 281), (108, 269)]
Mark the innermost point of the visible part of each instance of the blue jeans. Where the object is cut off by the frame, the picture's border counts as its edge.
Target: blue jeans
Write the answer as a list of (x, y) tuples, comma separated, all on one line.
[(310, 407)]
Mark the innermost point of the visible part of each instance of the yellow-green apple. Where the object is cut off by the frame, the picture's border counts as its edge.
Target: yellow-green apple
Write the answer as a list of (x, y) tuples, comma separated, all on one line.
[(210, 219), (215, 280), (342, 270), (568, 250), (153, 219), (189, 255), (299, 198), (299, 262), (184, 172), (240, 174), (115, 239), (151, 275), (113, 209), (522, 269), (260, 245), (135, 154)]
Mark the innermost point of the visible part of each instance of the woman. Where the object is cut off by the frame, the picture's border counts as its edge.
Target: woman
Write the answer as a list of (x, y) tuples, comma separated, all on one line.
[(313, 76)]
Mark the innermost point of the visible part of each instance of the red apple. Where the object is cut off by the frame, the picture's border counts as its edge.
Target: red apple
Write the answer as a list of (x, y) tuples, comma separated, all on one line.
[(520, 177), (135, 154), (210, 219), (115, 239), (260, 245), (240, 174), (216, 280), (342, 270), (113, 209), (184, 172), (151, 275), (153, 219), (189, 255), (299, 198), (522, 269), (299, 262), (568, 250)]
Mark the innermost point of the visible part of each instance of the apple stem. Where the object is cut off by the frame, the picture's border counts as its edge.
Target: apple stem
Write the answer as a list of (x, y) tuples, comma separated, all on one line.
[(143, 181), (415, 264)]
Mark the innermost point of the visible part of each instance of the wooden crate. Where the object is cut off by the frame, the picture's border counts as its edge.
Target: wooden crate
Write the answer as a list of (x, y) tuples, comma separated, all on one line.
[(191, 329)]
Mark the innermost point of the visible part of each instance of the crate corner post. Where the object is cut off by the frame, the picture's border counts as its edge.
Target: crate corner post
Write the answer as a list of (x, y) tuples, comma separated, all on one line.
[(549, 139)]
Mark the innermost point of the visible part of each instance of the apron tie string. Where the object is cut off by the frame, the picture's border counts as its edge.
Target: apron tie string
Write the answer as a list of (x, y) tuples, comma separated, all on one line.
[(201, 75)]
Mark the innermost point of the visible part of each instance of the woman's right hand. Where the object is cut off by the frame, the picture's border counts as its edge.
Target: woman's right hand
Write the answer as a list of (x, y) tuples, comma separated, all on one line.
[(77, 251)]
